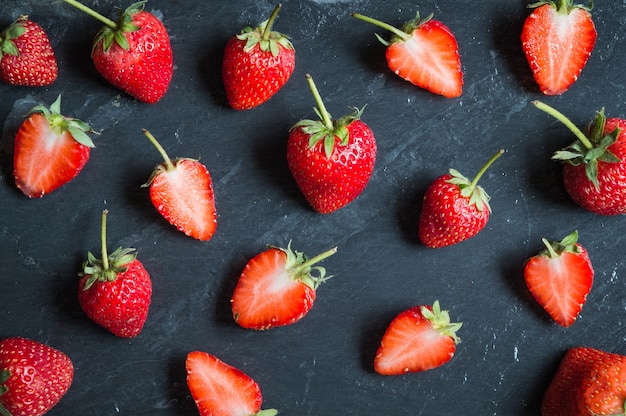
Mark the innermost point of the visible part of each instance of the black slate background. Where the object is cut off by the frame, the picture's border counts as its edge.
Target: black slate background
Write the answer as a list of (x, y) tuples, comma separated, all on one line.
[(323, 364)]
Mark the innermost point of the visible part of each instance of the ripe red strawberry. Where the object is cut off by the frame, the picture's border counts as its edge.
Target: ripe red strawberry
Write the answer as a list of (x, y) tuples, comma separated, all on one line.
[(277, 287), (33, 377), (220, 389), (257, 63), (418, 339), (594, 166), (425, 53), (557, 39), (560, 278), (26, 56), (588, 382), (454, 209), (182, 192), (331, 160), (133, 53), (50, 150), (115, 291)]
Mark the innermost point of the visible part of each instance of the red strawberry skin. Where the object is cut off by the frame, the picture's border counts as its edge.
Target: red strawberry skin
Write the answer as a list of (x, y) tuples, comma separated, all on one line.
[(39, 376), (121, 305), (329, 184), (220, 389), (184, 196), (45, 159), (35, 64), (588, 382), (145, 70), (610, 197), (429, 59), (557, 42), (447, 217)]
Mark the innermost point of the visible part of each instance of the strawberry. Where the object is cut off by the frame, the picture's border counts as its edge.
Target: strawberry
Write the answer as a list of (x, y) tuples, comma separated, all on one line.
[(220, 389), (588, 382), (50, 150), (594, 166), (33, 377), (115, 291), (277, 287), (557, 39), (560, 278), (257, 64), (182, 192), (425, 53), (331, 160), (133, 53), (454, 209), (26, 56), (417, 339)]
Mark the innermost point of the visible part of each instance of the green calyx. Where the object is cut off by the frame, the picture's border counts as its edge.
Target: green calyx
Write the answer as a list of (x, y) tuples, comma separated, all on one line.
[(590, 148), (17, 29), (109, 266), (566, 245), (399, 35), (326, 129), (4, 377), (562, 6), (440, 320), (265, 37), (302, 269), (476, 194), (59, 123)]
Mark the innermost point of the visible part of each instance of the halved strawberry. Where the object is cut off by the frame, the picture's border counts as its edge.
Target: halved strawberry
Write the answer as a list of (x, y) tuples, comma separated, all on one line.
[(418, 339), (558, 38), (182, 192), (50, 150), (220, 389), (425, 53), (277, 288), (560, 278)]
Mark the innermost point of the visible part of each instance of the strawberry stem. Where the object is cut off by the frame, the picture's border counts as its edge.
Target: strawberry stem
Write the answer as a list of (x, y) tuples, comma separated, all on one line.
[(314, 260), (268, 26), (484, 168), (326, 118), (110, 23), (168, 161), (103, 239), (399, 33), (559, 116)]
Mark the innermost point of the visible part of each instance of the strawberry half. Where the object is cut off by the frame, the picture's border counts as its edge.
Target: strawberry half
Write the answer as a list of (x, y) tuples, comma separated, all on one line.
[(418, 339), (454, 209), (594, 166), (115, 292), (331, 160), (588, 382), (50, 150), (220, 389), (182, 192), (558, 38), (257, 64), (26, 56), (133, 53), (276, 288), (425, 53), (560, 278), (33, 377)]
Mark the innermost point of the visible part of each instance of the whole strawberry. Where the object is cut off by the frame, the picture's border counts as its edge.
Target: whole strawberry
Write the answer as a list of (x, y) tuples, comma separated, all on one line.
[(331, 160), (558, 38), (50, 150), (115, 291), (594, 166), (33, 377), (257, 63), (454, 209), (26, 56), (133, 53), (588, 382)]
